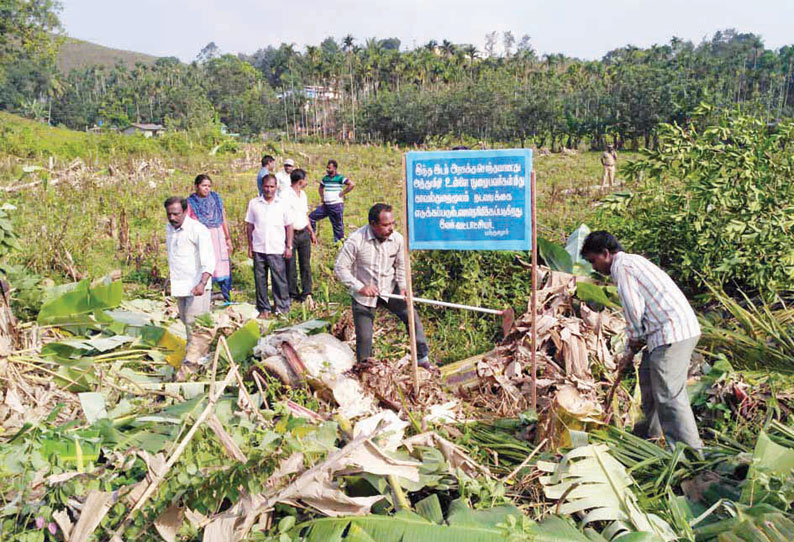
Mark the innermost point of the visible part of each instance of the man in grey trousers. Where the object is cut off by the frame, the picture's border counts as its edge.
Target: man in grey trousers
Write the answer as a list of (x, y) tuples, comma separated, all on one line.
[(268, 224), (658, 315)]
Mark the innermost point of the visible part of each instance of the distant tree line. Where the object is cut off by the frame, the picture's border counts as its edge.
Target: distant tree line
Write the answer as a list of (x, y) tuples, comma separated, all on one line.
[(376, 91)]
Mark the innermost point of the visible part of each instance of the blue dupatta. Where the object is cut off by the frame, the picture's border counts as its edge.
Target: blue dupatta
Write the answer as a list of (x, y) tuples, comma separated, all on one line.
[(209, 210)]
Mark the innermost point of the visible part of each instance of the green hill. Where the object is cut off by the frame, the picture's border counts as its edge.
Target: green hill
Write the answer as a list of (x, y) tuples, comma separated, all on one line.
[(76, 53)]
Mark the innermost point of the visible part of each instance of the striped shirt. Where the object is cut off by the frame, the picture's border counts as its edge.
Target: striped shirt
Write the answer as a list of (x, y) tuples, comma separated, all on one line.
[(365, 261), (332, 187), (654, 307)]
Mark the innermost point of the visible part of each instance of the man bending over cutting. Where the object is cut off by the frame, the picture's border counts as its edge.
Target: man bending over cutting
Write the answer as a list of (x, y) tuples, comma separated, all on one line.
[(658, 315), (372, 263)]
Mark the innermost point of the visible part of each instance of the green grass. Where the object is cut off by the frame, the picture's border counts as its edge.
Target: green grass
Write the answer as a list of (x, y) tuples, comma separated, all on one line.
[(66, 221), (35, 142)]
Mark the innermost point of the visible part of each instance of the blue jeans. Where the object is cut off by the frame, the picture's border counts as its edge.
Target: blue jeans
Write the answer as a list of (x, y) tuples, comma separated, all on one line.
[(225, 286)]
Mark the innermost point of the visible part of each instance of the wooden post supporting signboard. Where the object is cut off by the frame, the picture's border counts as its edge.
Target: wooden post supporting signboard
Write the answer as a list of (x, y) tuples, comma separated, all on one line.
[(409, 289), (533, 302)]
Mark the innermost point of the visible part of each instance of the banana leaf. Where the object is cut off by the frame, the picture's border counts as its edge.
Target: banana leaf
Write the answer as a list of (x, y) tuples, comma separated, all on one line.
[(93, 404), (589, 292), (77, 348), (241, 342), (160, 337), (768, 458), (591, 482), (430, 509), (76, 375), (761, 523), (464, 525), (556, 529), (72, 306), (153, 437), (404, 526), (555, 256), (470, 526), (70, 450), (574, 247)]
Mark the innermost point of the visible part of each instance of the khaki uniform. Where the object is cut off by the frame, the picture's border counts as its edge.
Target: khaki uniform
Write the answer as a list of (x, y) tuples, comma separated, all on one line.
[(608, 160)]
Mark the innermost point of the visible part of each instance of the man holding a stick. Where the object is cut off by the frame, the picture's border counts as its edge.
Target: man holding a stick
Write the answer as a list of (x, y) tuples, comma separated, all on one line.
[(657, 314), (372, 264)]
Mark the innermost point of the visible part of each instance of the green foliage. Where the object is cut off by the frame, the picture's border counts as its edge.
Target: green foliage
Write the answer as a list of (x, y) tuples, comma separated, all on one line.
[(462, 524), (28, 139), (555, 256), (241, 342), (80, 303), (8, 238), (716, 204), (377, 92), (754, 334), (762, 523), (26, 29), (489, 279)]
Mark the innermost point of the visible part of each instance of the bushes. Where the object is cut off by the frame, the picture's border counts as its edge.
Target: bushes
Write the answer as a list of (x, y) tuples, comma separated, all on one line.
[(487, 279), (716, 204), (30, 139)]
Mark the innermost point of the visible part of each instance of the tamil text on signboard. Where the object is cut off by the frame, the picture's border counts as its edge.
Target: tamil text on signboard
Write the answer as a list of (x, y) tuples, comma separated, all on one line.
[(469, 200)]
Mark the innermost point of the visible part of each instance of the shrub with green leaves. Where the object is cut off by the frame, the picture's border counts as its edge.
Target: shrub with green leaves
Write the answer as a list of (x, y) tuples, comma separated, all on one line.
[(8, 238), (716, 203)]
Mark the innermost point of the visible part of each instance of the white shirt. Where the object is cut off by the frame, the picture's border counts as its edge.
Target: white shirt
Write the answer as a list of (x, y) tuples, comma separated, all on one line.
[(190, 255), (269, 220), (298, 206), (654, 307), (284, 182)]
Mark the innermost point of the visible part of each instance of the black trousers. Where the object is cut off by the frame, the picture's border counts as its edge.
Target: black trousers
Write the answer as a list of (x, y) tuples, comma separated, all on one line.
[(278, 272), (301, 257), (364, 319)]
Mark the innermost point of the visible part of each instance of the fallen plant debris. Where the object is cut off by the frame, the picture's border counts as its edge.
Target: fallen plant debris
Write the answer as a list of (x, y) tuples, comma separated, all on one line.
[(392, 384), (576, 345), (280, 436)]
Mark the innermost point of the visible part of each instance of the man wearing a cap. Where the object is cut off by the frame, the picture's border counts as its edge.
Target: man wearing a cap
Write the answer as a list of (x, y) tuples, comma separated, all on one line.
[(283, 177), (608, 160)]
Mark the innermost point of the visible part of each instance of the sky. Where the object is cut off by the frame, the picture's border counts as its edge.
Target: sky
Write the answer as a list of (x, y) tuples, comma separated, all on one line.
[(581, 28)]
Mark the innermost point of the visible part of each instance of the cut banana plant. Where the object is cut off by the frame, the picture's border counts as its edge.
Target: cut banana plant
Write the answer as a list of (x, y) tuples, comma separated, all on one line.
[(591, 483), (462, 524)]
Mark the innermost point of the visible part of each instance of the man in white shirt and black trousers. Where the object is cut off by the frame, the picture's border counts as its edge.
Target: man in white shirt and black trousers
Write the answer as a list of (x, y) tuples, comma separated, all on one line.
[(303, 238), (269, 232), (191, 261)]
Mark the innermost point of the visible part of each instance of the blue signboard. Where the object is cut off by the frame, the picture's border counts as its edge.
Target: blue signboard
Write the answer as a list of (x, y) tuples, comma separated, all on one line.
[(469, 200)]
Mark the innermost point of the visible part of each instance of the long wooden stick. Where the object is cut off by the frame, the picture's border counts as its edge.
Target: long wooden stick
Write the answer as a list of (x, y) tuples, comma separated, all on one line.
[(534, 298), (524, 462), (409, 290), (610, 396), (241, 384)]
